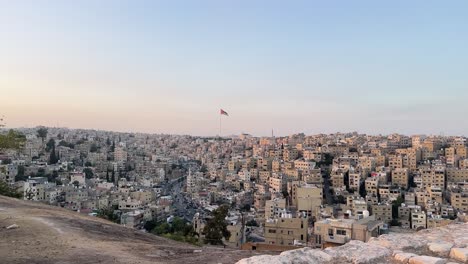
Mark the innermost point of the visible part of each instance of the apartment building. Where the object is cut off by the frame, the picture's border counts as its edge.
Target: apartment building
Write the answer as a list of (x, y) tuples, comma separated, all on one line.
[(459, 201), (455, 175), (418, 220), (336, 232), (274, 208), (400, 177), (382, 212), (286, 230), (434, 176), (309, 199)]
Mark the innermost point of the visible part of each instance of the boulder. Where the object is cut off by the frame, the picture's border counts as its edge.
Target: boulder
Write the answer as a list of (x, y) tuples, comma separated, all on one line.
[(300, 256), (14, 226), (426, 260), (440, 248), (403, 257), (358, 252), (460, 254)]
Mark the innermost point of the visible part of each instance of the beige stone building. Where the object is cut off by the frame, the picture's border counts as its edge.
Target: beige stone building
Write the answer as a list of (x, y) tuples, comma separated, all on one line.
[(434, 176), (382, 212), (286, 231), (336, 232), (309, 199), (459, 201), (274, 207), (455, 175), (400, 177)]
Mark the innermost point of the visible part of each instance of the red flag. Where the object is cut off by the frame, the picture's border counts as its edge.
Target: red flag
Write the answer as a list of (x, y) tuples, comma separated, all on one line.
[(222, 112)]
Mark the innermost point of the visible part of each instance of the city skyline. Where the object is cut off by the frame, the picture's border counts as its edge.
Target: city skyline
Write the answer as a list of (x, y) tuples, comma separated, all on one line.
[(308, 67)]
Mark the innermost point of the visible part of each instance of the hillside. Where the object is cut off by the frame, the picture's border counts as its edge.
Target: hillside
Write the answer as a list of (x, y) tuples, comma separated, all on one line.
[(48, 234)]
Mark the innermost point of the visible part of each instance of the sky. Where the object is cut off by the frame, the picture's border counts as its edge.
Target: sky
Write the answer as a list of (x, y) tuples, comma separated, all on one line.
[(287, 66)]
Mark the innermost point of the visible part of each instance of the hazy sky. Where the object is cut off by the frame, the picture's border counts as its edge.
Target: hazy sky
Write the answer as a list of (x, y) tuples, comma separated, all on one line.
[(292, 66)]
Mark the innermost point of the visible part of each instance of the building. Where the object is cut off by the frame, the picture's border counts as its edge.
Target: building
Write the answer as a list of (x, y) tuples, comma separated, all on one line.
[(418, 220), (336, 232), (286, 230), (382, 212), (309, 199), (400, 177), (274, 208)]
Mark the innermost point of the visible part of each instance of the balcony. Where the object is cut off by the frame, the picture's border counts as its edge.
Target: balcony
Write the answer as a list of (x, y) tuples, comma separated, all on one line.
[(338, 239)]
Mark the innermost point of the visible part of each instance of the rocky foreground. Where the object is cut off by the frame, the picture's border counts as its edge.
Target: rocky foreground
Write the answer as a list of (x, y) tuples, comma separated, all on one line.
[(444, 245)]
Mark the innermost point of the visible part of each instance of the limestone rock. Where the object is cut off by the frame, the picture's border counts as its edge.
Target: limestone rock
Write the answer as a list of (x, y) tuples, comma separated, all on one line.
[(440, 248), (426, 260), (358, 252), (14, 226), (404, 257), (300, 256), (460, 254)]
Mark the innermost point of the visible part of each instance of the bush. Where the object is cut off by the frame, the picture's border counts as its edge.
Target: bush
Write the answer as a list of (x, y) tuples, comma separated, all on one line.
[(6, 190)]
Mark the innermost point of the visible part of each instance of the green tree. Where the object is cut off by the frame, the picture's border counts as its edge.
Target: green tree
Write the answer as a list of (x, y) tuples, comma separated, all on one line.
[(109, 214), (178, 225), (252, 223), (395, 204), (53, 158), (163, 228), (93, 148), (12, 140), (216, 227), (42, 133), (6, 190), (20, 176), (50, 145), (66, 144), (88, 173)]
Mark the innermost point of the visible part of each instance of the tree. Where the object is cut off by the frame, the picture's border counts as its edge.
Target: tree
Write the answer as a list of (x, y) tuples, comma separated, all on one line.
[(88, 173), (42, 133), (93, 148), (6, 190), (216, 227), (252, 223), (395, 204), (160, 229), (109, 214), (341, 199), (178, 225), (20, 175), (50, 145), (12, 140), (66, 144), (53, 159), (88, 164)]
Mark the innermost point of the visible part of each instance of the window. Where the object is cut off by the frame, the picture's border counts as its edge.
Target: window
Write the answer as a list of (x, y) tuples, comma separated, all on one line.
[(341, 232), (271, 230), (330, 232)]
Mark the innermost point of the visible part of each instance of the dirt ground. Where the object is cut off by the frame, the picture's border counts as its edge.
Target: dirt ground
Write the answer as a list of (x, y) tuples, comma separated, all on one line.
[(48, 234)]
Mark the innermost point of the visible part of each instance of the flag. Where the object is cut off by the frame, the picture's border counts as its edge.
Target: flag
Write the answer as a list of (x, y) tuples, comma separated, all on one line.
[(222, 112)]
